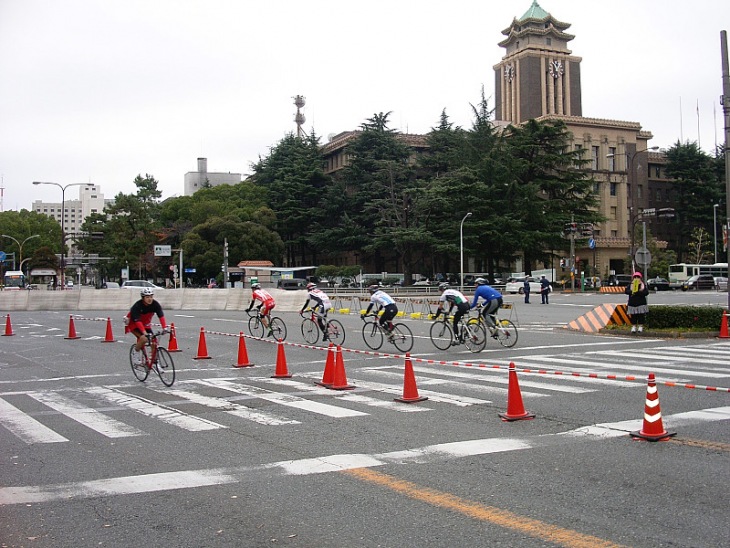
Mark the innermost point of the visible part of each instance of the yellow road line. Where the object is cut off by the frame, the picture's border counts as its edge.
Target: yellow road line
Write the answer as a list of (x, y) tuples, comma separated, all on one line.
[(497, 516)]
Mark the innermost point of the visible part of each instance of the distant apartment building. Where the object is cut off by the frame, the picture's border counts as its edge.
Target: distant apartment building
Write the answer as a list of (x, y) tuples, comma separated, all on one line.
[(91, 200), (195, 180)]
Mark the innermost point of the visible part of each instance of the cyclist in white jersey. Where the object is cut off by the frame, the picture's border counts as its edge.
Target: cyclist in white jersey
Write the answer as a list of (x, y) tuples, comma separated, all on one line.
[(320, 307), (386, 302), (454, 298)]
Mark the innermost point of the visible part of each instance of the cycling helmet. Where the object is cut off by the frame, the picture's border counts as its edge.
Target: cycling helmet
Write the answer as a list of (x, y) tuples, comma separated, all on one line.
[(637, 275), (443, 286), (480, 281), (373, 288), (146, 291), (311, 286), (255, 286)]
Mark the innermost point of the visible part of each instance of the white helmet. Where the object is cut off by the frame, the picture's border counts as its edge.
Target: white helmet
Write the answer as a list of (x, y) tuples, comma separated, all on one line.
[(146, 291)]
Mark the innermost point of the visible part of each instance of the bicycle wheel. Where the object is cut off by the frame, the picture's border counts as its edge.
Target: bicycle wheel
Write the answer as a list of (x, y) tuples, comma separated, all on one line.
[(402, 337), (475, 336), (372, 335), (441, 335), (310, 331), (279, 328), (336, 332), (165, 366), (255, 327), (507, 333), (140, 371)]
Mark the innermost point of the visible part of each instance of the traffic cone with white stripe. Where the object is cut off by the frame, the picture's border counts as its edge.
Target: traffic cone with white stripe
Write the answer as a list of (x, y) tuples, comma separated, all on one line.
[(515, 407), (109, 337), (202, 347), (8, 327), (328, 377), (71, 328), (410, 390), (653, 428)]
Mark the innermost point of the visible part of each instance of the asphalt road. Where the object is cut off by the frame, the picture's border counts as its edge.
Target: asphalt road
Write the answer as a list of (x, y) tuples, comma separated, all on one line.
[(233, 457)]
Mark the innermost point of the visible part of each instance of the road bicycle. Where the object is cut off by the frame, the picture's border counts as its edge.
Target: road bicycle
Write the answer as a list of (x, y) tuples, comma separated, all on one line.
[(256, 327), (374, 334), (155, 358), (504, 330), (470, 332), (333, 329)]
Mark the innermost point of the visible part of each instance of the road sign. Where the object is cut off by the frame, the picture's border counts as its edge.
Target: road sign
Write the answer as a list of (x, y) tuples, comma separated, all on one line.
[(2, 256), (643, 257), (163, 250), (592, 243)]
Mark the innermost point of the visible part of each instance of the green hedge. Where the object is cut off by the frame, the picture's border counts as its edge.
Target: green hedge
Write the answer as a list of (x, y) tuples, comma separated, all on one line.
[(698, 317)]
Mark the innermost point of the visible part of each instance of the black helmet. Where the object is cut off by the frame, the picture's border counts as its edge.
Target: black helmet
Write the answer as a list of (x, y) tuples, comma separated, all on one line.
[(373, 288), (480, 281), (443, 285)]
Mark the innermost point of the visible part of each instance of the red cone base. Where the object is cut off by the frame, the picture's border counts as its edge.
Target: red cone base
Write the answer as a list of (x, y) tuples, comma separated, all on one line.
[(410, 390), (653, 429), (515, 407), (328, 377)]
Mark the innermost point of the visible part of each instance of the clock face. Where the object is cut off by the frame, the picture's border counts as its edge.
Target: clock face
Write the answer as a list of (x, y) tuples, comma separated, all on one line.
[(556, 68), (509, 72)]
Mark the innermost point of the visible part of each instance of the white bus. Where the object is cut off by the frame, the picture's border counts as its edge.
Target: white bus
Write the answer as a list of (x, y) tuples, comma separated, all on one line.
[(14, 279), (679, 273)]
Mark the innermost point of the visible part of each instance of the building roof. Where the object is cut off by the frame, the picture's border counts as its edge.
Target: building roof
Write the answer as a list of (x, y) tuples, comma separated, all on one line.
[(535, 12)]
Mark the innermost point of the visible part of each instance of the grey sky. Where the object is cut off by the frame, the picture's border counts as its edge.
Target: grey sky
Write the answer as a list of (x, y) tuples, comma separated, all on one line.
[(102, 90)]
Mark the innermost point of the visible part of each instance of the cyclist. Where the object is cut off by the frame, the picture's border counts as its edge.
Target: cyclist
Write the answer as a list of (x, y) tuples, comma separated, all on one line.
[(267, 304), (387, 303), (454, 298), (321, 306), (492, 301), (138, 321)]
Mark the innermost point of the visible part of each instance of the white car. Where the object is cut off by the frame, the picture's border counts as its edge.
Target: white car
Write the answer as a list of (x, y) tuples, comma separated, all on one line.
[(517, 285), (139, 284)]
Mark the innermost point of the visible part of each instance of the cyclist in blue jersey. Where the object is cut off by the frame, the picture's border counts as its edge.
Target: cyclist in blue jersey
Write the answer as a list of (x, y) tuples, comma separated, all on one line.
[(492, 300), (455, 299), (384, 301)]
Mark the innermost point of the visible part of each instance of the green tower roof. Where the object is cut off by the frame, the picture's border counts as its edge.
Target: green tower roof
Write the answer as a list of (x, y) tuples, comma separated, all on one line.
[(535, 12)]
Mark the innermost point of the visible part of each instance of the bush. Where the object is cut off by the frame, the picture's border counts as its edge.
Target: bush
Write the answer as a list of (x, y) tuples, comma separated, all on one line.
[(686, 317)]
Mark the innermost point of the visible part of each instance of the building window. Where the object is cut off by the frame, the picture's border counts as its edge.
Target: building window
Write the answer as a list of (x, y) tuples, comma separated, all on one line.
[(613, 189), (640, 191), (549, 41), (658, 172), (614, 234), (596, 187), (658, 195), (614, 212), (594, 158), (611, 158)]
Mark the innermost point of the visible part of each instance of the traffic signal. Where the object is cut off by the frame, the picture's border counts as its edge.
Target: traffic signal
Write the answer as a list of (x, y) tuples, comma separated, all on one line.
[(562, 263)]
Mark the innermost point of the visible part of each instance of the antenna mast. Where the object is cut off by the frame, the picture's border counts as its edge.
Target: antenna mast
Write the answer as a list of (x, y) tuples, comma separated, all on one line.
[(299, 101)]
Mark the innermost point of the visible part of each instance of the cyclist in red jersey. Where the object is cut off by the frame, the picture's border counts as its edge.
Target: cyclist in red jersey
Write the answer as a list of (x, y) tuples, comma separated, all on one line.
[(138, 320), (267, 304)]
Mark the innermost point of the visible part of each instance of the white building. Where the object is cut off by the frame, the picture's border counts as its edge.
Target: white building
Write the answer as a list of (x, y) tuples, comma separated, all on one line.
[(91, 200), (195, 180)]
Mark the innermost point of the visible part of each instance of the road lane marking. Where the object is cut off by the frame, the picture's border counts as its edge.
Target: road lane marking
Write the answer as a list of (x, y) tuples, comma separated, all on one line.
[(26, 428)]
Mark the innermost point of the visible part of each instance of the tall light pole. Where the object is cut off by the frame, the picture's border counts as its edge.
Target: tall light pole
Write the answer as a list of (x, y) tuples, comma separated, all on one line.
[(63, 225), (461, 247), (714, 226), (20, 247), (632, 206)]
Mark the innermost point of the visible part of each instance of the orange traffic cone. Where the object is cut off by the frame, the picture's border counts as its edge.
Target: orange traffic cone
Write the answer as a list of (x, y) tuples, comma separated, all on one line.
[(71, 329), (8, 327), (340, 378), (723, 325), (172, 346), (109, 337), (202, 347), (328, 377), (281, 370), (653, 429), (515, 407), (410, 391), (242, 352)]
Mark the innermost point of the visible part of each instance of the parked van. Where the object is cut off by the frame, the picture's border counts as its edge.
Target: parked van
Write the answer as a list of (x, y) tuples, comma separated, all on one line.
[(292, 284)]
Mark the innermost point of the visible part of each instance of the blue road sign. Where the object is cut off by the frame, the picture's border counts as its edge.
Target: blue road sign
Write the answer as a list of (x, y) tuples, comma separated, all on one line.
[(592, 243)]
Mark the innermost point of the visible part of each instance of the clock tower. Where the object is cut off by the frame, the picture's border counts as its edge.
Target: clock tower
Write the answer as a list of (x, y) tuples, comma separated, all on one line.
[(538, 76)]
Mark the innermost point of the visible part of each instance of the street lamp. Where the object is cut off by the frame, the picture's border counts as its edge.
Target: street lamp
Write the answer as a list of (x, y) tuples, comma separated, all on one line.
[(461, 247), (632, 207), (20, 247), (714, 226), (63, 225)]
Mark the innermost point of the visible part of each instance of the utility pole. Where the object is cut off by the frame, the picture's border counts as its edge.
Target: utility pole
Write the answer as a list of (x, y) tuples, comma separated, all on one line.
[(725, 99)]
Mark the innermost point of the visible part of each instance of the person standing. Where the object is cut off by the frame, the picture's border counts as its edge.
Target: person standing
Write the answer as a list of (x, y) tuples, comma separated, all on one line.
[(526, 290), (545, 290), (638, 307)]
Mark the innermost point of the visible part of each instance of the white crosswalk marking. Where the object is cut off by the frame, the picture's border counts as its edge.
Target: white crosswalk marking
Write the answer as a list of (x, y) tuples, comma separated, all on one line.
[(154, 410), (283, 399), (232, 408), (26, 428), (87, 416), (620, 364)]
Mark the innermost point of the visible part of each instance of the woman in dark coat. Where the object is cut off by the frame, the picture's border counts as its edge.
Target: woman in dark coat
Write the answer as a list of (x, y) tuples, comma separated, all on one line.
[(638, 307)]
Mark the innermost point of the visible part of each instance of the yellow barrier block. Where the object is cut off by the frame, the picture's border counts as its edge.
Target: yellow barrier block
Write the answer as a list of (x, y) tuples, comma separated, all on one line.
[(400, 314), (344, 311), (416, 315)]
